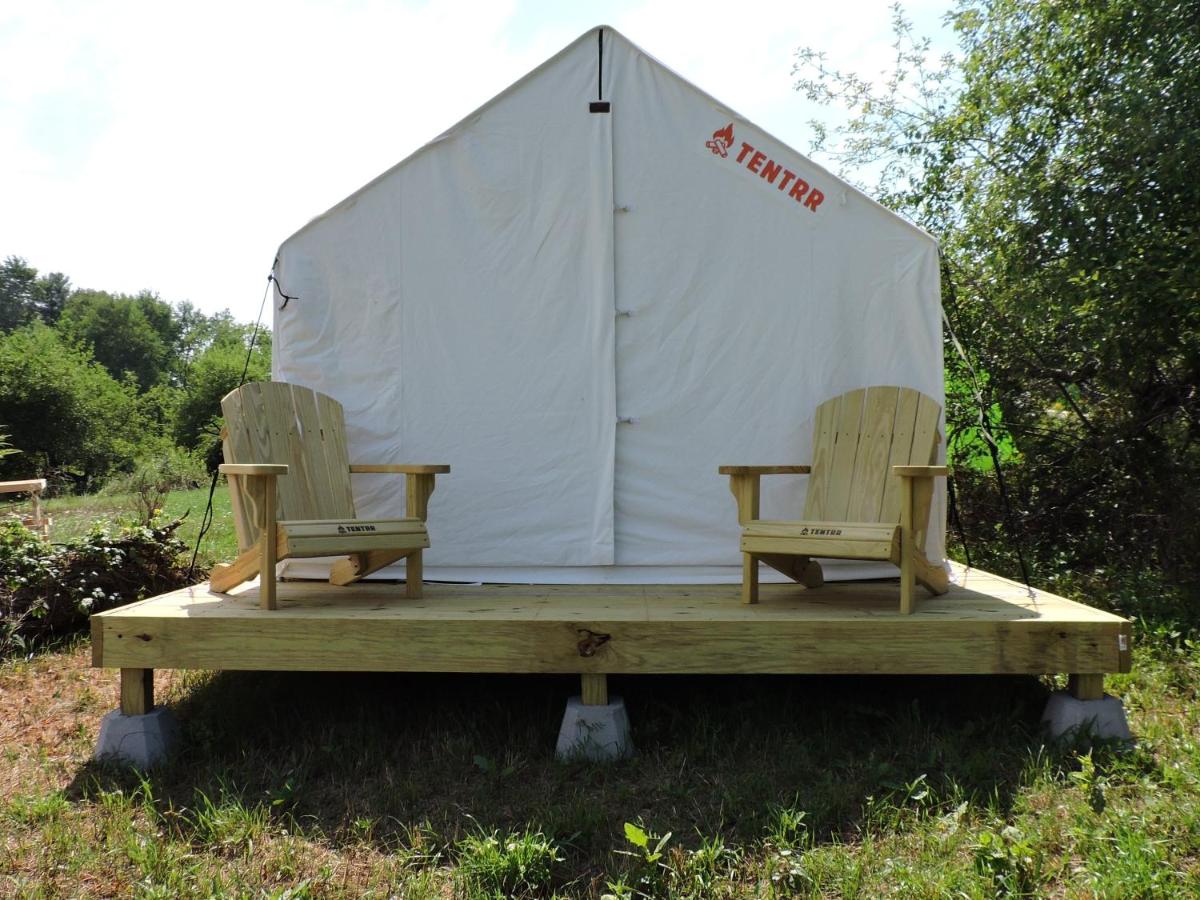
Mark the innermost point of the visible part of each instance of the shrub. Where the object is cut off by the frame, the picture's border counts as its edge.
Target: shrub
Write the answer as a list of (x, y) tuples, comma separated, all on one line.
[(49, 590), (154, 477)]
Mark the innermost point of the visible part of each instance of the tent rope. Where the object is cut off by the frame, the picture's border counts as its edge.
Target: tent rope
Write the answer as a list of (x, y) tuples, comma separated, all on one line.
[(207, 519)]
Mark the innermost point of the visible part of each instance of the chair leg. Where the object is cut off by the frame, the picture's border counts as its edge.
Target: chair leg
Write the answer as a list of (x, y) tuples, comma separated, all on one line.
[(907, 550), (360, 565), (226, 576), (933, 578), (414, 572), (749, 578)]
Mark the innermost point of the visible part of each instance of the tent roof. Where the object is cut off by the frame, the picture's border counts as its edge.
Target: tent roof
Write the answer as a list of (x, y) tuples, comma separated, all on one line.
[(533, 73)]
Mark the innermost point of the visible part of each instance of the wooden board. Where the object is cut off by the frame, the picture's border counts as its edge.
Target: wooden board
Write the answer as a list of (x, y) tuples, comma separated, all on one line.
[(983, 625)]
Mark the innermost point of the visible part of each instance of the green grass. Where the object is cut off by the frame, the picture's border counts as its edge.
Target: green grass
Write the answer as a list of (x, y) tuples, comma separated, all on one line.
[(327, 784), (74, 516)]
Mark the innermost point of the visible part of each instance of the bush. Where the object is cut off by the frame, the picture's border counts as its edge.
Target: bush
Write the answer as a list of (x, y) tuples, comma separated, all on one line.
[(154, 477), (49, 590)]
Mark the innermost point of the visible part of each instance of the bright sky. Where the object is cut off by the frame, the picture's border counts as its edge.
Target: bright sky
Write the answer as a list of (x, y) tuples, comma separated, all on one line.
[(174, 146)]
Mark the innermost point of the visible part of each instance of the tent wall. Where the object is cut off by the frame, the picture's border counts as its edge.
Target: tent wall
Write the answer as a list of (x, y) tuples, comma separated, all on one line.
[(585, 314), (460, 308)]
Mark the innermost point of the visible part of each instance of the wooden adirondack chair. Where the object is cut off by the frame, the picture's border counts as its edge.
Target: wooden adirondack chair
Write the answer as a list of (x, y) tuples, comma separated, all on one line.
[(869, 491), (289, 482)]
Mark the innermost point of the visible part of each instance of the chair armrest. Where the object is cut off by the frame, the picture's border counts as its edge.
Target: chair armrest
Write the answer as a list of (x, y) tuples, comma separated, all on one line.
[(389, 469), (920, 471), (253, 469), (764, 470)]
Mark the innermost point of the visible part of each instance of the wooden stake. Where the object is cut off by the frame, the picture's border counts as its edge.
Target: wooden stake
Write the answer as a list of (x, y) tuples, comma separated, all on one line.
[(137, 691), (595, 689)]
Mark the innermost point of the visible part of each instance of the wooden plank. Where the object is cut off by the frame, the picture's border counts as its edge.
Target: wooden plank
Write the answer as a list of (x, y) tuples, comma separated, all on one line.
[(841, 473), (28, 486), (870, 476), (339, 545), (824, 442), (358, 565), (269, 553), (293, 414), (399, 469), (907, 402), (925, 448), (846, 531), (137, 691), (333, 528), (822, 547), (907, 550), (749, 578), (745, 490), (234, 447), (594, 689), (337, 457), (764, 470), (766, 637)]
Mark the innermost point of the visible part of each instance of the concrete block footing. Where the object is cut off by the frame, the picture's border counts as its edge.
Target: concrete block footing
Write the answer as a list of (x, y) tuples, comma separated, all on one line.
[(1065, 716), (139, 741), (595, 733)]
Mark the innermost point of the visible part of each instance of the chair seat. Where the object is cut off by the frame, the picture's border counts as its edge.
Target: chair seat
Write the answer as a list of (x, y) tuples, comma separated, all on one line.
[(338, 537), (843, 540)]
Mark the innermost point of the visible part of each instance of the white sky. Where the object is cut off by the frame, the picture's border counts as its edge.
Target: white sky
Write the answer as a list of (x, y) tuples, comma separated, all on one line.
[(174, 146)]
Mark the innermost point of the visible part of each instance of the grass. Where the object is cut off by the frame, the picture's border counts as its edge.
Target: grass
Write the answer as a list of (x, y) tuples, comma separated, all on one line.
[(331, 784), (74, 516)]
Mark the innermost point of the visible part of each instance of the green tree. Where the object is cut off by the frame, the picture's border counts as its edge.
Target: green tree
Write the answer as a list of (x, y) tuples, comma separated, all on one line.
[(213, 374), (18, 282), (24, 295), (1054, 158), (67, 414), (124, 334)]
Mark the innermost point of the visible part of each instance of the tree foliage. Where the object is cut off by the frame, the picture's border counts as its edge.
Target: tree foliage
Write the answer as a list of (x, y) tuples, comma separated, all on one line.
[(134, 335), (1053, 155), (25, 296), (67, 415)]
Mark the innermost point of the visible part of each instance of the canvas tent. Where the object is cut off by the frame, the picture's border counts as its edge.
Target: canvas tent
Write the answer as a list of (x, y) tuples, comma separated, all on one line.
[(585, 297)]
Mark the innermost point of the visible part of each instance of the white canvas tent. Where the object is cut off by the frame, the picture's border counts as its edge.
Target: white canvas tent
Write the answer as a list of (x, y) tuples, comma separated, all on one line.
[(585, 312)]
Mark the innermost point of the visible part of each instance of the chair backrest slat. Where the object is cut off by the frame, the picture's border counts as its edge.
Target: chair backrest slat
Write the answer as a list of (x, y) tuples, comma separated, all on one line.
[(275, 422), (857, 438)]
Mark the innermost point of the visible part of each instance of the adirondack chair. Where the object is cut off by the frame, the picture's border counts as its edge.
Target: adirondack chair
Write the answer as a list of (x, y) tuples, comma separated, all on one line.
[(870, 487), (289, 480)]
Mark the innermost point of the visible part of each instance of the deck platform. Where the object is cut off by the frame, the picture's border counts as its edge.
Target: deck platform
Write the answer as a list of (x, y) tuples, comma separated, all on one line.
[(984, 625)]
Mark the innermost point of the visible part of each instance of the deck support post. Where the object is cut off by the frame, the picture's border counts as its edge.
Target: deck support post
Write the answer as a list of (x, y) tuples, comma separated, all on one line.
[(137, 691), (1086, 686), (137, 734), (595, 689)]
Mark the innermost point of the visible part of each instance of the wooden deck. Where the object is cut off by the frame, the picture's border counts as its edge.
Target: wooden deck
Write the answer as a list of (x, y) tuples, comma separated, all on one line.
[(984, 625)]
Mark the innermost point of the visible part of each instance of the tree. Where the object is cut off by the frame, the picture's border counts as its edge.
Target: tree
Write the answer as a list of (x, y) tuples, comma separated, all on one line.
[(17, 283), (124, 334), (1054, 158), (213, 374), (51, 295), (67, 415), (24, 295)]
